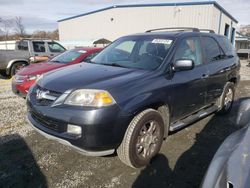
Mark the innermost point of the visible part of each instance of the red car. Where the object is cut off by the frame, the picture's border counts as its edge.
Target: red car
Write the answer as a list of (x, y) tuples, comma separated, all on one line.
[(27, 76)]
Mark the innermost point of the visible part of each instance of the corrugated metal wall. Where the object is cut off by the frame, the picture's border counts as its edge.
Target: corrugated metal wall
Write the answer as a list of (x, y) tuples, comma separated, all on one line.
[(116, 22), (220, 20)]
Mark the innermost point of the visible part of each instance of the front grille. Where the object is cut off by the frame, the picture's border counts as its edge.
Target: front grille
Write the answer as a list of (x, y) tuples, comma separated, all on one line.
[(44, 101), (49, 123)]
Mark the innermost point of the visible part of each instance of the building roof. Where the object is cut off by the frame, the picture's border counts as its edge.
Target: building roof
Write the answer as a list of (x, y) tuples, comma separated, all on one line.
[(241, 37), (156, 5)]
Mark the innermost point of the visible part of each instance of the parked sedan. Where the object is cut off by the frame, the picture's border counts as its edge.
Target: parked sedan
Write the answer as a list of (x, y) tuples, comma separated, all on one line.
[(27, 76), (230, 166)]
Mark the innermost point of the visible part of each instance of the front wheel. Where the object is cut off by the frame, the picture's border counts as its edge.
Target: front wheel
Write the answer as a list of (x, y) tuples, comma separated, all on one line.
[(227, 98), (16, 67), (143, 139)]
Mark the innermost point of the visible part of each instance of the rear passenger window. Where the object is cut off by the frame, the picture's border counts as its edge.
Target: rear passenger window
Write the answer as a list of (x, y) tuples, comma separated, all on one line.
[(212, 50), (23, 45), (189, 48), (226, 46), (39, 46)]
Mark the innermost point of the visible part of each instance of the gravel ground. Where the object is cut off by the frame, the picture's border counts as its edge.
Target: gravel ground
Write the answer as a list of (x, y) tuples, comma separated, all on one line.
[(30, 160), (12, 113)]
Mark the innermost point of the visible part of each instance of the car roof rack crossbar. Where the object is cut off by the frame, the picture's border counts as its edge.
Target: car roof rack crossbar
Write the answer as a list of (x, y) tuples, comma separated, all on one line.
[(209, 30), (175, 28)]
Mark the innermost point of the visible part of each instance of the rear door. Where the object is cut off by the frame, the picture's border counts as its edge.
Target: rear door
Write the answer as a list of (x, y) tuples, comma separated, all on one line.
[(217, 65), (189, 87), (39, 48)]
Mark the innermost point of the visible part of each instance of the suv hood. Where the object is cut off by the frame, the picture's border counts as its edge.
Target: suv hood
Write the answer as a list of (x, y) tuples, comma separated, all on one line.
[(89, 76), (39, 68)]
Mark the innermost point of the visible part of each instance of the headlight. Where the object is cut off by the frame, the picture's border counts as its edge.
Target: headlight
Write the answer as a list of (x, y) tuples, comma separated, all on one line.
[(34, 77), (90, 97)]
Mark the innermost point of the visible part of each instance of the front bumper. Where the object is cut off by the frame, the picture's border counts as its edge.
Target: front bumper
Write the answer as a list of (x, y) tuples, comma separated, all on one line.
[(17, 92), (102, 128), (64, 142), (21, 89)]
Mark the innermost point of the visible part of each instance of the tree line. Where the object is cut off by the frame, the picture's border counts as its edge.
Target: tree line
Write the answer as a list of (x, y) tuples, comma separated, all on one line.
[(245, 30), (13, 29)]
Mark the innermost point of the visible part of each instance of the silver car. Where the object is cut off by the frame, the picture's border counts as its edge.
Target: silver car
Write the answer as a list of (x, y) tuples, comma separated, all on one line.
[(230, 167)]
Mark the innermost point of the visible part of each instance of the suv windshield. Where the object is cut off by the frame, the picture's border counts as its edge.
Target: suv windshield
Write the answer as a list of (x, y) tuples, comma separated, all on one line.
[(68, 56), (141, 52)]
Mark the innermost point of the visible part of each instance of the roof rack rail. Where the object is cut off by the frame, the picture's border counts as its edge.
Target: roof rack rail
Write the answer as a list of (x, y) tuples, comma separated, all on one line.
[(34, 38), (175, 28), (209, 30)]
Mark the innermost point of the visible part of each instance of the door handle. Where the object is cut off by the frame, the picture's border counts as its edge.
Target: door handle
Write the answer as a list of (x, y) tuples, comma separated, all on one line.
[(205, 76)]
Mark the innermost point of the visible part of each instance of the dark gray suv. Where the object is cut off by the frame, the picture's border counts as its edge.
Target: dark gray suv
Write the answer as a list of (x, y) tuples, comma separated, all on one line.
[(134, 92)]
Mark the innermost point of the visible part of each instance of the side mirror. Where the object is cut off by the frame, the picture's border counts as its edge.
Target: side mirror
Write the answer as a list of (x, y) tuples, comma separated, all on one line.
[(184, 65), (243, 116)]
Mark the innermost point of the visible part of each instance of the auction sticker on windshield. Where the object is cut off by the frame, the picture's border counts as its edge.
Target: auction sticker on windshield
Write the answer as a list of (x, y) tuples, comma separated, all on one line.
[(162, 41)]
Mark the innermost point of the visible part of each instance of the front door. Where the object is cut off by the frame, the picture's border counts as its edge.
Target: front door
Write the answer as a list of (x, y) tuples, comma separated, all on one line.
[(55, 49), (189, 87)]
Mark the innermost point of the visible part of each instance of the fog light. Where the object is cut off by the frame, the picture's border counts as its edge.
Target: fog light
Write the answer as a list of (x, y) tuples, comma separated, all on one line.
[(74, 129)]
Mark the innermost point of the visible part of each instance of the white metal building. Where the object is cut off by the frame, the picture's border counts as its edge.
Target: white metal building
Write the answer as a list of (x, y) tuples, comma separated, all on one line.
[(115, 21)]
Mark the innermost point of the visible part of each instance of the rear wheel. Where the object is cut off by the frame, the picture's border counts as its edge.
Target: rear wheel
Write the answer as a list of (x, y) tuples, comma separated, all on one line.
[(16, 67), (143, 139), (227, 98)]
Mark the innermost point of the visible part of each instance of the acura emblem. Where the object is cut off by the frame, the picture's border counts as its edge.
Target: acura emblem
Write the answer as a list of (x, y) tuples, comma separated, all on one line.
[(41, 94)]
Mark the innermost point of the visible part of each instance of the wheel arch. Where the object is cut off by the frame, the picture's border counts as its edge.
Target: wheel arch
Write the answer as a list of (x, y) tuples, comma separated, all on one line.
[(220, 100), (163, 109), (233, 80), (14, 61)]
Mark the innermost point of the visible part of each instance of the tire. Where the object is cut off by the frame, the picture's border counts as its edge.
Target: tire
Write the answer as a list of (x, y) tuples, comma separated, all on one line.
[(143, 139), (16, 67), (227, 98), (3, 75)]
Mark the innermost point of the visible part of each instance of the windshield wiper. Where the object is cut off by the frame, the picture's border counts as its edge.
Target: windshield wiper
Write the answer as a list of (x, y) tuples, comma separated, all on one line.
[(116, 65), (113, 64)]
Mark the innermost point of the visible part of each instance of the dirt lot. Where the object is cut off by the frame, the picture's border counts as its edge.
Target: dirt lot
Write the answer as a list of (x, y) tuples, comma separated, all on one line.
[(29, 160)]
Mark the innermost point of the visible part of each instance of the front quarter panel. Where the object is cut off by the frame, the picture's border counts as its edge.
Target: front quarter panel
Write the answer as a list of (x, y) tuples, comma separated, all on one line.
[(145, 93)]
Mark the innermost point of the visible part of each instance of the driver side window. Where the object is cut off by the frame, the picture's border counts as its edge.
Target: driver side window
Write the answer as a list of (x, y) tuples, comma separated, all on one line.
[(189, 48)]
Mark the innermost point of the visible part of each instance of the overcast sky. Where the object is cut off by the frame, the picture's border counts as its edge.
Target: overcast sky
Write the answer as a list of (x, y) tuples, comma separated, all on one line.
[(43, 14)]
